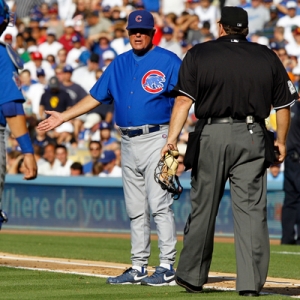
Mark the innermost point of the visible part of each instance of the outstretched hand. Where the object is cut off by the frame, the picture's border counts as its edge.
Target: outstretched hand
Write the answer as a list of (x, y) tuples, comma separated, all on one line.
[(52, 122)]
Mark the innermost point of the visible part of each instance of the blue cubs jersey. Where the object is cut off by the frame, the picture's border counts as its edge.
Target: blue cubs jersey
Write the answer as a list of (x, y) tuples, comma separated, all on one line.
[(140, 87), (10, 85)]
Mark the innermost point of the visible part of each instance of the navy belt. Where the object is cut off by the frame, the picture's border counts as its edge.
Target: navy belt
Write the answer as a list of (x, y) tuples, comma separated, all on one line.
[(135, 132), (227, 120)]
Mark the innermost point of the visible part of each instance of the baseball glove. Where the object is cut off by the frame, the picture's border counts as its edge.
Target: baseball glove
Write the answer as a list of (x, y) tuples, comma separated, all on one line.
[(3, 217), (165, 173)]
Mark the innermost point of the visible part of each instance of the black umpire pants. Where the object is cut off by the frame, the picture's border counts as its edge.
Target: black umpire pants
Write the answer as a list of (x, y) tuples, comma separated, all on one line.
[(228, 151), (290, 218)]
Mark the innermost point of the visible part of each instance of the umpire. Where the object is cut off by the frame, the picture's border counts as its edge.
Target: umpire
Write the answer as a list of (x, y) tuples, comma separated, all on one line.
[(233, 84)]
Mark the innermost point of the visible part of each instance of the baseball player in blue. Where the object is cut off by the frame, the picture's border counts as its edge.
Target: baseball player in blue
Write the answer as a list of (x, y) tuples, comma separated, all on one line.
[(11, 108), (140, 82)]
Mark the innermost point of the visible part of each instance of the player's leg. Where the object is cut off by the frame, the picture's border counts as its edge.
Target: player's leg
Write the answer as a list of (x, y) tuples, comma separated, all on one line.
[(160, 202), (138, 211), (3, 215)]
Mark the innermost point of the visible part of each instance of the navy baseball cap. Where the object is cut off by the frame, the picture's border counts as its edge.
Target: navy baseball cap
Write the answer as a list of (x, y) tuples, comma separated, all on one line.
[(234, 16), (104, 125), (107, 156), (75, 39), (167, 30), (40, 72), (140, 19), (68, 69)]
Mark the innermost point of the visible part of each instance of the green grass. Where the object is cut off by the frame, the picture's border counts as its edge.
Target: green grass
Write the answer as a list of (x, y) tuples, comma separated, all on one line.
[(25, 285), (118, 250)]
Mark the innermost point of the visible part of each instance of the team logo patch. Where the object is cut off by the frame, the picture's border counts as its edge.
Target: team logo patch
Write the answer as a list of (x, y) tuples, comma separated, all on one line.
[(152, 81), (54, 101), (138, 18), (17, 80), (291, 87)]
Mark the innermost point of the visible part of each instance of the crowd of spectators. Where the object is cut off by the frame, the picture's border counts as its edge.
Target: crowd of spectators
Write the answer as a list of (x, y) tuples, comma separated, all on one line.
[(66, 45)]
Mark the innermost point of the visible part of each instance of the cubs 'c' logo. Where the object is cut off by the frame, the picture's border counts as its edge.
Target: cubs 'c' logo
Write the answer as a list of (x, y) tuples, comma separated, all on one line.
[(138, 18), (152, 81)]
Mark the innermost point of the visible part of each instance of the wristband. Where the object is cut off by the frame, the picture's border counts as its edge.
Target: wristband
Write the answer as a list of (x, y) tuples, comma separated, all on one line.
[(25, 143)]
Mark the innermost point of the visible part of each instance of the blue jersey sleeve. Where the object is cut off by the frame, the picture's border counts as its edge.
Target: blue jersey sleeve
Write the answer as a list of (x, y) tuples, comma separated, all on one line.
[(100, 90)]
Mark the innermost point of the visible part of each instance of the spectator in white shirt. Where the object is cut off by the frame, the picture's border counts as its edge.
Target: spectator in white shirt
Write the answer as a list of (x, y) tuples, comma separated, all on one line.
[(168, 42), (74, 53), (38, 62), (110, 168), (51, 45), (61, 153), (52, 164)]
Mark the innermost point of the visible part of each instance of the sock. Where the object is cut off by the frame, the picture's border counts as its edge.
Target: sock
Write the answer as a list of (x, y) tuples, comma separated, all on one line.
[(140, 269), (166, 266)]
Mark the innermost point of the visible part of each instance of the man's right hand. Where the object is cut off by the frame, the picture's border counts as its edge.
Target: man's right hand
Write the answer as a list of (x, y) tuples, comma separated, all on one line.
[(30, 166), (52, 122)]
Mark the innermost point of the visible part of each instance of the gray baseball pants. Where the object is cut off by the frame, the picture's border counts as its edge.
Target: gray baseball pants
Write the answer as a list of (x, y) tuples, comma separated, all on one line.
[(140, 156)]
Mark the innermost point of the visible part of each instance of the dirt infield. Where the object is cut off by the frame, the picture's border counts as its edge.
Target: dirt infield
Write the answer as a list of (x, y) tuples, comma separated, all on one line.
[(288, 287)]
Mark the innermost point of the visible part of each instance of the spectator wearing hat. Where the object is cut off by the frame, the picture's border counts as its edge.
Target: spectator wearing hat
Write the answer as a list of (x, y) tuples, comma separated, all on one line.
[(117, 15), (74, 53), (76, 93), (107, 56), (289, 20), (110, 168), (57, 98), (105, 134), (51, 45), (69, 33), (36, 62), (168, 42), (91, 127), (95, 149), (41, 76), (102, 46), (86, 75)]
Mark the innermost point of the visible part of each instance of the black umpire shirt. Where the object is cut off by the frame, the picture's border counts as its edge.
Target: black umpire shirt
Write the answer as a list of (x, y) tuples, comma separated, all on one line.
[(231, 77)]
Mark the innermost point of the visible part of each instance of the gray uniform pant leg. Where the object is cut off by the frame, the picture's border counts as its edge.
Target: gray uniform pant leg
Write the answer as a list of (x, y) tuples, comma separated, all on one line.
[(143, 196), (2, 161), (228, 151)]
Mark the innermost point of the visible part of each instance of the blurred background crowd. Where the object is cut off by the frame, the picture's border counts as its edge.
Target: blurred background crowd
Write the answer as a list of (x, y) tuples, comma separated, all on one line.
[(66, 45)]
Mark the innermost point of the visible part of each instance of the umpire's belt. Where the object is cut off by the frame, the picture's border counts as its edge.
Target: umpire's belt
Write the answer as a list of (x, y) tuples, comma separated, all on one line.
[(228, 120), (135, 132)]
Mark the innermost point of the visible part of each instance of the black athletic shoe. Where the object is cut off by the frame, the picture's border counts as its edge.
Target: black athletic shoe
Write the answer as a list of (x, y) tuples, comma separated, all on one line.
[(189, 288), (249, 293)]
